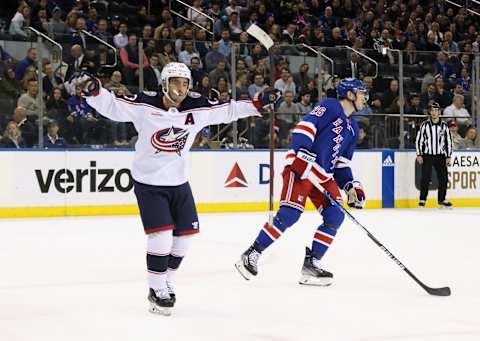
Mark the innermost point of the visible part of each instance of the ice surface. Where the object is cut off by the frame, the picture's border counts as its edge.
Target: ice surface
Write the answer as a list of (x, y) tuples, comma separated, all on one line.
[(84, 279)]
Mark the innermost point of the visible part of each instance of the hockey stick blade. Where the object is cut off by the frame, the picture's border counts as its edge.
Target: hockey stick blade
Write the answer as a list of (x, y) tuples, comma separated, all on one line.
[(260, 35), (445, 291)]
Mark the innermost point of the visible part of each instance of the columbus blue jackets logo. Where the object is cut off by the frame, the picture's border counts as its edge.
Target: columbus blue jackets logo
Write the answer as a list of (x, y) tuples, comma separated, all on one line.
[(170, 140)]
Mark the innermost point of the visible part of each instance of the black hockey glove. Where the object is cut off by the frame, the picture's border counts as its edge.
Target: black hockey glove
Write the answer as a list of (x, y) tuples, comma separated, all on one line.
[(268, 99)]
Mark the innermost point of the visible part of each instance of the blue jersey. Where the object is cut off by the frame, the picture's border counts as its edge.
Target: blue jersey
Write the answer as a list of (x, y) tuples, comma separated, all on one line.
[(331, 135)]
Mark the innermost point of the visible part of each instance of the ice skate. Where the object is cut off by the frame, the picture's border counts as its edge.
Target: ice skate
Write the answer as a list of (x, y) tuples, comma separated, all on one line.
[(445, 204), (171, 291), (247, 265), (421, 204), (312, 272), (160, 302)]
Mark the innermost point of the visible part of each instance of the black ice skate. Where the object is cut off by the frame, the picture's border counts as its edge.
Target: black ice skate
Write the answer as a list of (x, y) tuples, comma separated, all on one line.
[(312, 272), (445, 204), (247, 265), (160, 302), (421, 204), (171, 291)]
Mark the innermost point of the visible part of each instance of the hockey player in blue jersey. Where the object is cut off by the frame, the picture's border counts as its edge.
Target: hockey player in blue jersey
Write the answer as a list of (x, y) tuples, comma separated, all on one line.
[(323, 143)]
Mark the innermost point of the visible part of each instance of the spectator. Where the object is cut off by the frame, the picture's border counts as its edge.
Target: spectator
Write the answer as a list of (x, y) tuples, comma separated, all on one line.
[(81, 117), (457, 111), (464, 80), (196, 13), (166, 55), (204, 87), (336, 38), (187, 36), (363, 140), (12, 137), (428, 96), (223, 86), (9, 86), (457, 140), (102, 31), (442, 96), (242, 86), (285, 83), (218, 72), (56, 27), (79, 62), (288, 34), (305, 105), (302, 78), (50, 80), (152, 74), (471, 140), (415, 106), (130, 59), (187, 54), (257, 85), (214, 56), (29, 100), (233, 7), (451, 45), (328, 21), (27, 128), (115, 85), (20, 21), (234, 24), (443, 67), (202, 46), (30, 75), (428, 77), (374, 101), (52, 139), (40, 21), (78, 37), (29, 60), (57, 109), (287, 113), (357, 68), (225, 47), (147, 33), (120, 40), (390, 95)]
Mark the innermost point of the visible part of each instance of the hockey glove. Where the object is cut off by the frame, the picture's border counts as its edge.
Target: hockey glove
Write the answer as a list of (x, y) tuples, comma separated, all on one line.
[(89, 84), (267, 99), (303, 163), (355, 194)]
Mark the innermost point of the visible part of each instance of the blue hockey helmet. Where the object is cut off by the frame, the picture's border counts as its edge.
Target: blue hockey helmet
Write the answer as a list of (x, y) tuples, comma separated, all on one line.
[(350, 84)]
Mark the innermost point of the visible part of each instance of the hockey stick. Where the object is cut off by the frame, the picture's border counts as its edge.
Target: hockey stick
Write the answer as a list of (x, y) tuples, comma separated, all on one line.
[(267, 42), (445, 291)]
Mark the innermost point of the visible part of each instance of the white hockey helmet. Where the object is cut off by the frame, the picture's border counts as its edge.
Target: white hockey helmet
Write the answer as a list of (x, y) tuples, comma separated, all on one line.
[(172, 70)]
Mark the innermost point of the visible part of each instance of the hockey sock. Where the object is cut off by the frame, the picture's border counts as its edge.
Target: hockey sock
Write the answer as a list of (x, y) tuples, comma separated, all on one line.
[(321, 241), (269, 233), (158, 250), (180, 247)]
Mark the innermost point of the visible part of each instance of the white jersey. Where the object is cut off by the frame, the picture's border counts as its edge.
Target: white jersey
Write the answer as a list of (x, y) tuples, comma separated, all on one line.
[(166, 135)]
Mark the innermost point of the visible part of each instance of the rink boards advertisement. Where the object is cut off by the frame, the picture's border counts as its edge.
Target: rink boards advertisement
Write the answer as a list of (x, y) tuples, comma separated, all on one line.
[(79, 182)]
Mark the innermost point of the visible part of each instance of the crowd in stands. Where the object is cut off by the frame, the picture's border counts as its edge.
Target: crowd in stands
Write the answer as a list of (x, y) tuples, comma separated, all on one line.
[(438, 42)]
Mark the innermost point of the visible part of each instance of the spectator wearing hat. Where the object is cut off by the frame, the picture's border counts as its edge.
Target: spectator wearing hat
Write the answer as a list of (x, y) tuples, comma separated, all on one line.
[(457, 140), (56, 27), (51, 138)]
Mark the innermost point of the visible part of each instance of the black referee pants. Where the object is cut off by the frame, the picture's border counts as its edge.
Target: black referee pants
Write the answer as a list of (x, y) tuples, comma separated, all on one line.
[(440, 164)]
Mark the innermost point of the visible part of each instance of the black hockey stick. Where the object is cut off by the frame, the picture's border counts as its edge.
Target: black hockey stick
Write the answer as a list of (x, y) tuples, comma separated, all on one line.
[(445, 291)]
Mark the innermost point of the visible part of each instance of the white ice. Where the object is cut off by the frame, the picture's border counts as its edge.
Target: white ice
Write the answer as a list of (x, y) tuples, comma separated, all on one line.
[(84, 279)]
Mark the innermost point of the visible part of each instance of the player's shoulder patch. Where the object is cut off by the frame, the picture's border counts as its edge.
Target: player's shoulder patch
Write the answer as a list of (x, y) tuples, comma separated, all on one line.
[(194, 94), (150, 93)]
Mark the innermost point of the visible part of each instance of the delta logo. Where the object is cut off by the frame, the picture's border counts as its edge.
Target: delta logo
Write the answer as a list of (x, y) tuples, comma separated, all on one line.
[(236, 178)]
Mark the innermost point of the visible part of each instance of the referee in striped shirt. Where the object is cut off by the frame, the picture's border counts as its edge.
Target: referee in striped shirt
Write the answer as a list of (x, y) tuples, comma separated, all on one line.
[(434, 148)]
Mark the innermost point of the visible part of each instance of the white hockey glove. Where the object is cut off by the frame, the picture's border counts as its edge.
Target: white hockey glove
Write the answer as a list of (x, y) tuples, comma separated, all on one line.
[(355, 194), (89, 84), (303, 163)]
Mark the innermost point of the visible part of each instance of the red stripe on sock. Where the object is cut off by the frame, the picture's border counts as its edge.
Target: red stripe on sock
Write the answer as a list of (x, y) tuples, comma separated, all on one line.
[(323, 238), (271, 230)]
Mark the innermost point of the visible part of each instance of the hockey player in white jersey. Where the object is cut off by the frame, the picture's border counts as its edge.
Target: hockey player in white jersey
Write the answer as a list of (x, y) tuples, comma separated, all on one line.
[(167, 123)]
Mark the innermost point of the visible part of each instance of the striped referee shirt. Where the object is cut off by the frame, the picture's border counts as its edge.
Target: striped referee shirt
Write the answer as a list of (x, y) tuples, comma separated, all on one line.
[(434, 139)]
